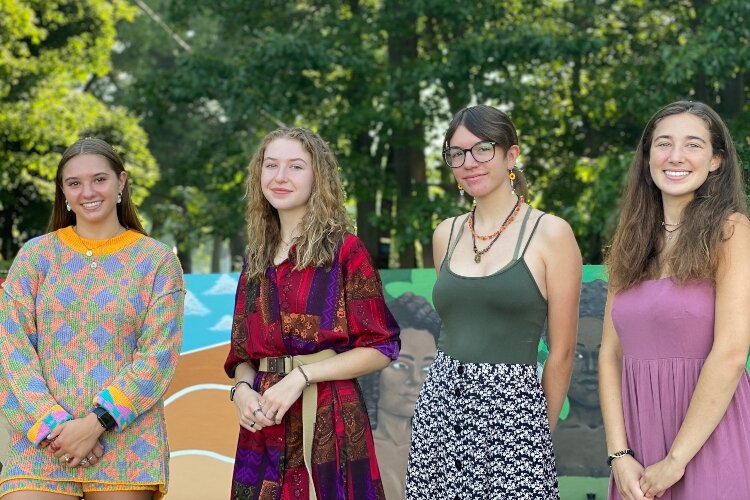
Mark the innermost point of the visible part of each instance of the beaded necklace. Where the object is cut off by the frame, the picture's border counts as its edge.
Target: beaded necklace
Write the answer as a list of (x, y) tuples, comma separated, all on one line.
[(508, 221)]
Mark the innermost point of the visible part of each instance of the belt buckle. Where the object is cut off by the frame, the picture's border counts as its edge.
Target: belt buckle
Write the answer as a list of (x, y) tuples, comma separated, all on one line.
[(278, 364)]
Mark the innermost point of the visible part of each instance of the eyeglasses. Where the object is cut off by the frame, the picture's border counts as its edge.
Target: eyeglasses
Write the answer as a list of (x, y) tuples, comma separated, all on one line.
[(483, 151)]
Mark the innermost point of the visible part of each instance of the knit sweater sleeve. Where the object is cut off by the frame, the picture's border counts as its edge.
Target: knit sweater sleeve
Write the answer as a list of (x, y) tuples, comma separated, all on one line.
[(141, 384), (24, 395)]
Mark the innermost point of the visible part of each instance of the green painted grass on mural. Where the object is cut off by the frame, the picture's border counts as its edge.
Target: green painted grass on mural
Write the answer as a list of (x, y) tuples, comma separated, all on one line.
[(577, 487)]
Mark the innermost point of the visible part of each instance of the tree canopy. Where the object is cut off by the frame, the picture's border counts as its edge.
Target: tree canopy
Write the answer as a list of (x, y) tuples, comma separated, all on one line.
[(50, 52), (380, 79)]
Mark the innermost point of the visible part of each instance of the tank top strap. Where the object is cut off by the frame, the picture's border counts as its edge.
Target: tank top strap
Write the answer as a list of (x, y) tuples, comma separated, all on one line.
[(450, 237), (452, 247), (521, 233), (533, 230)]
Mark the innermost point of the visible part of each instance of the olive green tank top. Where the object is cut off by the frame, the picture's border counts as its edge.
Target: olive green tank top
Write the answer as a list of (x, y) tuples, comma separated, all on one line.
[(491, 319)]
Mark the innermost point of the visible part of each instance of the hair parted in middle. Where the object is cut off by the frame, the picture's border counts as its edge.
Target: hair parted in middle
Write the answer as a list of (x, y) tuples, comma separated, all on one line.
[(639, 237), (323, 226), (489, 124), (127, 214)]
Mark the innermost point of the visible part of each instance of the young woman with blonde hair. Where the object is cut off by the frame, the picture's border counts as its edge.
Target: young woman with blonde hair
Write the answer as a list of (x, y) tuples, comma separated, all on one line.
[(309, 318), (674, 392)]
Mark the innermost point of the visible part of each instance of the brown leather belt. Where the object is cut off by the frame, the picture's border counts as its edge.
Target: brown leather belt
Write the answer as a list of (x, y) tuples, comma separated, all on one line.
[(286, 364)]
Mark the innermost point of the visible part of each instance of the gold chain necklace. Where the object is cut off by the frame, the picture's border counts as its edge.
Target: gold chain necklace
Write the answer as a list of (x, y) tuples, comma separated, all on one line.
[(90, 251)]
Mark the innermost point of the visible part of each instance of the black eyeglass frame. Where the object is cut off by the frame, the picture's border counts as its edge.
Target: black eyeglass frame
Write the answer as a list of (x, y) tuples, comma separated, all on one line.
[(446, 152)]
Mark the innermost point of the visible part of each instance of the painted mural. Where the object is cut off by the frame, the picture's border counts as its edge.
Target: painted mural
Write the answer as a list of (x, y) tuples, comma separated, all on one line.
[(202, 423)]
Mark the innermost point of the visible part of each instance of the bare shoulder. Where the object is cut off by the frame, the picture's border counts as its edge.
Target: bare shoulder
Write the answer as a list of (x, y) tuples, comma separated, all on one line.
[(443, 230), (736, 232), (554, 228), (737, 222)]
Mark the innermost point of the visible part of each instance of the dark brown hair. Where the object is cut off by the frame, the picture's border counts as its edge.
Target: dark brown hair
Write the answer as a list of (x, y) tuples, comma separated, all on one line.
[(489, 124), (639, 237), (126, 212)]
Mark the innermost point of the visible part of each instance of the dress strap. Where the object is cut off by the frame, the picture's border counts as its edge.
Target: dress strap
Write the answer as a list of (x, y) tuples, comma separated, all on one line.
[(521, 233), (452, 247), (533, 230), (450, 236)]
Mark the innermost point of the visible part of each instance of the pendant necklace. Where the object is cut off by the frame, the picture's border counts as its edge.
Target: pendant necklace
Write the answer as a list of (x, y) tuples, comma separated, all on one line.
[(494, 236), (91, 251)]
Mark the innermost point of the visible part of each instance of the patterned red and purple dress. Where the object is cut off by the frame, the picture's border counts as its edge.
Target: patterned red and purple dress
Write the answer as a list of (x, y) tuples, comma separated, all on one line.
[(291, 312)]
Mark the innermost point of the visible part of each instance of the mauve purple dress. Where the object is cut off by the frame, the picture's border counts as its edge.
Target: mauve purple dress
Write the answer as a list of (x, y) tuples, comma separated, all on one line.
[(666, 332)]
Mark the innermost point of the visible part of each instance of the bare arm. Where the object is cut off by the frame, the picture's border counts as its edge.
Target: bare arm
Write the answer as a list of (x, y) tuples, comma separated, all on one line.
[(563, 282), (724, 365), (625, 470)]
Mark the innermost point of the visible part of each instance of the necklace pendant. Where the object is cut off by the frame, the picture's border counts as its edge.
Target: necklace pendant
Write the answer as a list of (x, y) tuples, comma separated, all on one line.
[(477, 257), (93, 265), (89, 253)]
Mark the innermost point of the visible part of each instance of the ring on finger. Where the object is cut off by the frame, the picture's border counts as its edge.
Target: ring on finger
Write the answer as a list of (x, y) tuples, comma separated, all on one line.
[(252, 425), (66, 458), (258, 410), (84, 462), (91, 458)]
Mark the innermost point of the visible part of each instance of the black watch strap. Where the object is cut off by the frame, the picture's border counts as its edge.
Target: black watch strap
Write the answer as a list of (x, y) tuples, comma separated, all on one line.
[(105, 418)]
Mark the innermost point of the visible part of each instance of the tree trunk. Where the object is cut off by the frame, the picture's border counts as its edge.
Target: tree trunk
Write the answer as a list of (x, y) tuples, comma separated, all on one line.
[(407, 133), (218, 244)]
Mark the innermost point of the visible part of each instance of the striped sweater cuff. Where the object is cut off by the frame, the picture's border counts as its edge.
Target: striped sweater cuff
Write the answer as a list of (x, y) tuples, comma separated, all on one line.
[(118, 405), (38, 432)]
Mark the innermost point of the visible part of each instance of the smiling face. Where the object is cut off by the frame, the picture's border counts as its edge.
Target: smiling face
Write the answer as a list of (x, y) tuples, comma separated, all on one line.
[(401, 381), (287, 176), (91, 186), (481, 179), (681, 156)]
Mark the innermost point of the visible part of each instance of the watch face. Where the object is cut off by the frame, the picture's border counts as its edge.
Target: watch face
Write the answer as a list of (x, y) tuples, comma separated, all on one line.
[(104, 417)]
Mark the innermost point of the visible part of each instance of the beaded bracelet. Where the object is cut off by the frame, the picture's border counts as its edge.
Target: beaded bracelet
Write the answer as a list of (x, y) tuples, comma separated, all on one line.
[(618, 454)]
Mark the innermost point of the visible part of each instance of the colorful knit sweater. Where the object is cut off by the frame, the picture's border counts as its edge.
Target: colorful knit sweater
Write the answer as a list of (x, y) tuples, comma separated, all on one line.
[(78, 331)]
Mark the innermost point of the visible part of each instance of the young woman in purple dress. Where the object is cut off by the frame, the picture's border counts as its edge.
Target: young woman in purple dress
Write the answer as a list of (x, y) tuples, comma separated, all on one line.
[(674, 391)]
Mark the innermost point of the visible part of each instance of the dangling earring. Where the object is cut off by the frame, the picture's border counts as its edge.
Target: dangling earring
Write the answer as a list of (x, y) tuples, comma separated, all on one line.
[(67, 205), (461, 192), (119, 197), (512, 177)]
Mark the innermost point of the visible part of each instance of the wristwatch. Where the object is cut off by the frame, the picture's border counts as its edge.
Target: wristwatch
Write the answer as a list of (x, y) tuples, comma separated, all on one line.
[(105, 418)]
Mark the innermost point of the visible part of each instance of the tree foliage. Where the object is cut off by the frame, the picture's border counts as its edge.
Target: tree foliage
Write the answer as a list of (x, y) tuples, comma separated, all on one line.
[(379, 79), (49, 52)]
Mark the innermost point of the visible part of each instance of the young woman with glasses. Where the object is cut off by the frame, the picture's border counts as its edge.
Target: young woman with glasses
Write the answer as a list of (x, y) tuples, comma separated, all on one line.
[(482, 422)]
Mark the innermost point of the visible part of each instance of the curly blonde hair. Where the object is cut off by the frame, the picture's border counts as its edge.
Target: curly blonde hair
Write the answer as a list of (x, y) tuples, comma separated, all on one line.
[(323, 226)]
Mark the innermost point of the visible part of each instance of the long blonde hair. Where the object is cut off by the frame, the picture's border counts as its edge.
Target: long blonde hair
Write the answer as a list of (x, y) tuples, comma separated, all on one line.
[(639, 238), (323, 226)]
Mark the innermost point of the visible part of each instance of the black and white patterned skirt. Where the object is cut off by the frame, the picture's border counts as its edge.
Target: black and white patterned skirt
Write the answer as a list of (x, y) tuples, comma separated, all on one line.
[(480, 431)]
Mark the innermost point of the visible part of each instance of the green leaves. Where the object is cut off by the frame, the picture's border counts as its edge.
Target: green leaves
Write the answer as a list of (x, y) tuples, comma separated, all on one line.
[(49, 52)]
